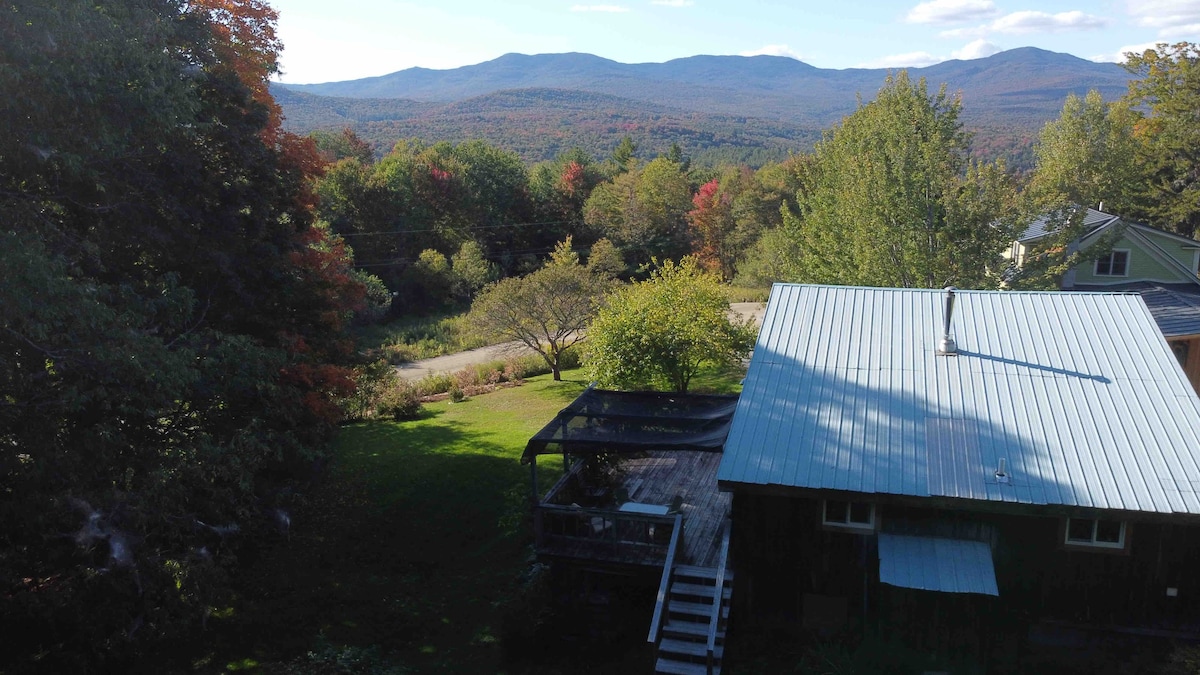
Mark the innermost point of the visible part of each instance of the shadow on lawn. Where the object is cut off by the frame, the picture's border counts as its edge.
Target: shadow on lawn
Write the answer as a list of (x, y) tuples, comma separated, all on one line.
[(399, 548)]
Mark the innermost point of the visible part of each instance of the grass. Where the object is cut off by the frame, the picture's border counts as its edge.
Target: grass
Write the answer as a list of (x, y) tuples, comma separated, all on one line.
[(408, 555), (418, 337), (412, 546), (746, 294)]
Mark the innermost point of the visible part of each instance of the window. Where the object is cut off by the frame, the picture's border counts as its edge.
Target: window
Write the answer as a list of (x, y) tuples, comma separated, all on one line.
[(1095, 532), (1115, 264), (849, 515)]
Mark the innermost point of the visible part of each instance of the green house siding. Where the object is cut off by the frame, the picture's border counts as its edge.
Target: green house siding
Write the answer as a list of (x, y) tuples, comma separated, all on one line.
[(1184, 253), (1143, 266)]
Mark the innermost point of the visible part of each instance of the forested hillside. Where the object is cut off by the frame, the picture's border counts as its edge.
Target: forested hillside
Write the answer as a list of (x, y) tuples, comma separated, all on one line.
[(537, 124), (757, 108)]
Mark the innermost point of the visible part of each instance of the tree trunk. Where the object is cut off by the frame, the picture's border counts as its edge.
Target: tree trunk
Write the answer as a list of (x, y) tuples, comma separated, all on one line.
[(554, 370)]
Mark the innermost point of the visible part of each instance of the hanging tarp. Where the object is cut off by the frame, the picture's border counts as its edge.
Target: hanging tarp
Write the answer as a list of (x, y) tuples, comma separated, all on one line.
[(632, 421)]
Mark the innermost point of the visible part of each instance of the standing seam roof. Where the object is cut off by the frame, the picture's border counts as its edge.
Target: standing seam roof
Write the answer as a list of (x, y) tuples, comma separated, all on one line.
[(1077, 392)]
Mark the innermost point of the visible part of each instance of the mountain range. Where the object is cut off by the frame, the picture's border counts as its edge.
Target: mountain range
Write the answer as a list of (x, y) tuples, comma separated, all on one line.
[(717, 108)]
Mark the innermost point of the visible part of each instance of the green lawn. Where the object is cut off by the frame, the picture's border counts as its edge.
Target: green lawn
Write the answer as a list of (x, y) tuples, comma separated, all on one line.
[(413, 544)]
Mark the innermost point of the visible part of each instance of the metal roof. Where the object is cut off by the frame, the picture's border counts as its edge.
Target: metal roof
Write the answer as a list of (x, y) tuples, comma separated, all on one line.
[(1078, 392), (1043, 226), (936, 564), (1175, 307)]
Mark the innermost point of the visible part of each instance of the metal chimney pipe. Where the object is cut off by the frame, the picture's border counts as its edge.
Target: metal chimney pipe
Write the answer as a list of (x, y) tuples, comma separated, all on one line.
[(946, 344)]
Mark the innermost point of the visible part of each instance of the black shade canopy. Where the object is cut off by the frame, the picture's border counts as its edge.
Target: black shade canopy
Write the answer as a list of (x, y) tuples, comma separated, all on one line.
[(623, 421)]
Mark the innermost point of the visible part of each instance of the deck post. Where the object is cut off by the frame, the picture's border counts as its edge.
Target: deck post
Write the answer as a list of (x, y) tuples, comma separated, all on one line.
[(533, 481)]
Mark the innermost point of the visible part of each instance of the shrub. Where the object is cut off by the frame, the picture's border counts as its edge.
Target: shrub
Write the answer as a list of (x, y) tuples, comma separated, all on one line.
[(400, 402), (372, 382), (457, 395)]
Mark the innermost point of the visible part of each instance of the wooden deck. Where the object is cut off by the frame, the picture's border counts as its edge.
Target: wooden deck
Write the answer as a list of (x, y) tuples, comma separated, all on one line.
[(583, 522)]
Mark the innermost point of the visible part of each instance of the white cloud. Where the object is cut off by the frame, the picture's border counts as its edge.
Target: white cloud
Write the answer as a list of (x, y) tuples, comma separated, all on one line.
[(1119, 56), (908, 60), (772, 50), (1187, 32), (977, 49), (1164, 14), (951, 11), (1030, 21), (673, 3), (599, 8), (1041, 22)]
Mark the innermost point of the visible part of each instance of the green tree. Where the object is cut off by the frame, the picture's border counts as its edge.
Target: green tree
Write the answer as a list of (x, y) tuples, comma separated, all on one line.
[(545, 310), (1168, 89), (470, 271), (172, 343), (605, 260), (644, 211), (894, 200), (658, 333), (624, 156), (1088, 156)]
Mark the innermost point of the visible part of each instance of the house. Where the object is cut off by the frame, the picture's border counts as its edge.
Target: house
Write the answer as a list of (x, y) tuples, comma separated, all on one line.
[(1162, 266), (951, 465)]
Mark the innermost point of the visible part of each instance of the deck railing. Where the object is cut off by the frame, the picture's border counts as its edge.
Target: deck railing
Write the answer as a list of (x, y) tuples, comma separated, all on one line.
[(662, 607), (715, 620), (603, 534)]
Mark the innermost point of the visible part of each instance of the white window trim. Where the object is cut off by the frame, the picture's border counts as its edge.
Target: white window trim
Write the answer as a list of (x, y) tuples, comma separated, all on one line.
[(848, 526), (1096, 266), (1117, 545)]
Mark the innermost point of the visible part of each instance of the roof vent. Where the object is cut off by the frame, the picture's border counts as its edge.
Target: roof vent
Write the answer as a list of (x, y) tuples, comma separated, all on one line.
[(1002, 471), (946, 344)]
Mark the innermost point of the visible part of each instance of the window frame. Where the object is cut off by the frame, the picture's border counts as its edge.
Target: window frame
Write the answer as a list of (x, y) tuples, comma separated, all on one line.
[(848, 525), (1121, 544), (1111, 259)]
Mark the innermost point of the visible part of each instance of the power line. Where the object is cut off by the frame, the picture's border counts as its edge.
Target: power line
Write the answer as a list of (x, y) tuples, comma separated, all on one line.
[(454, 229)]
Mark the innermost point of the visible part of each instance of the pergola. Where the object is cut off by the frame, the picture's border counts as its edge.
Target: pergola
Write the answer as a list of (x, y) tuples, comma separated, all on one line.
[(625, 422)]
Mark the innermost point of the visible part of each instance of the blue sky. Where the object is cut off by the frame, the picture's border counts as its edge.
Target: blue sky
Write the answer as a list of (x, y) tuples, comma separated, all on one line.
[(328, 40)]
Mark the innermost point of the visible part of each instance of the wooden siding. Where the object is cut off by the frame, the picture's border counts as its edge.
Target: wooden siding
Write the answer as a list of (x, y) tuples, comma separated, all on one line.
[(1191, 365), (785, 556)]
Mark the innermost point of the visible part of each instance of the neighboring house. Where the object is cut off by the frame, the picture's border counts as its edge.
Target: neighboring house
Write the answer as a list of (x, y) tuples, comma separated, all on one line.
[(1046, 470), (1159, 265)]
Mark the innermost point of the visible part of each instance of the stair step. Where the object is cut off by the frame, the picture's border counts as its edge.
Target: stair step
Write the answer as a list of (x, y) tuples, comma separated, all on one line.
[(698, 590), (688, 648), (709, 573), (703, 609), (672, 667), (693, 629)]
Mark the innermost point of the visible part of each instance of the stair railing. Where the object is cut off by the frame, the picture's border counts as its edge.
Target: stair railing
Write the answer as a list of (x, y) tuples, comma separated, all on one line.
[(714, 620), (662, 606)]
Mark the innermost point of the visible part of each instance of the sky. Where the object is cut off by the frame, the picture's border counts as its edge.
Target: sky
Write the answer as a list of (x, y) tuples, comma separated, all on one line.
[(332, 40)]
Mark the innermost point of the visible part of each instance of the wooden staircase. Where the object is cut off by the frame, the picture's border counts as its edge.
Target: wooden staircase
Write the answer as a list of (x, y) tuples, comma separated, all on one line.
[(683, 646)]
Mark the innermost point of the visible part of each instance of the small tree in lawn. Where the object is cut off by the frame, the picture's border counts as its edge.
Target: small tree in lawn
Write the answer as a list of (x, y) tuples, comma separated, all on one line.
[(545, 310), (659, 333)]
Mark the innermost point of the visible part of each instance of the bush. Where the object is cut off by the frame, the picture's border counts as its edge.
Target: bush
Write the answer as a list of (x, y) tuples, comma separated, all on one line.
[(372, 382), (457, 395), (400, 402)]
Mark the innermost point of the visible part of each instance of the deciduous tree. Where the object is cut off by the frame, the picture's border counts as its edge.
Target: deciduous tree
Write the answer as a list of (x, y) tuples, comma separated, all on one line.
[(1088, 156), (895, 201), (658, 333), (545, 310), (1167, 87)]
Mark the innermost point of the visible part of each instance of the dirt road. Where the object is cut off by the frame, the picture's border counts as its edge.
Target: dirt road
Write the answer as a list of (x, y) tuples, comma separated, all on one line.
[(452, 362)]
